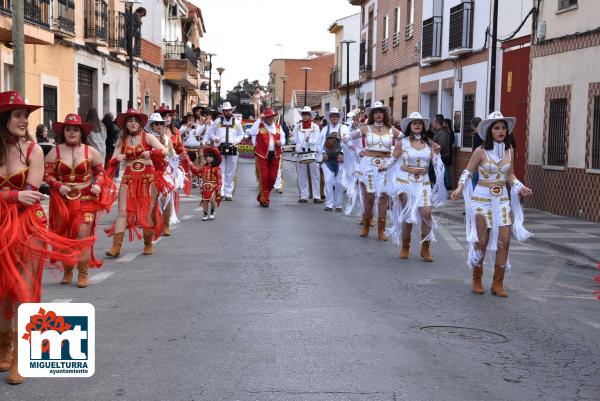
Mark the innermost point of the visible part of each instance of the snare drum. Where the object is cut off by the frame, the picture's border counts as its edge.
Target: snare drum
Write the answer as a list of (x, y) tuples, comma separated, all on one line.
[(307, 157), (289, 153)]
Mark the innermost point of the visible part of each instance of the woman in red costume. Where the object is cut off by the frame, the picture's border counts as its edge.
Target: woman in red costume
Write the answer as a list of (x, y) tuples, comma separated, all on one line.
[(174, 136), (140, 182), (78, 189), (25, 241)]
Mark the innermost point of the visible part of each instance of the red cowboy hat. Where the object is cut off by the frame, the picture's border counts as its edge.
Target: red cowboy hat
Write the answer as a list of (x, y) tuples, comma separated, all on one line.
[(215, 152), (164, 109), (269, 113), (12, 100), (121, 118), (72, 119)]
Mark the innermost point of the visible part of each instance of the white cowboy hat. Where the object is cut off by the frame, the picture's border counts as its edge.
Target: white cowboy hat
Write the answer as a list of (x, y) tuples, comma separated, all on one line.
[(378, 105), (226, 106), (154, 118), (405, 123), (334, 110), (307, 109), (484, 125)]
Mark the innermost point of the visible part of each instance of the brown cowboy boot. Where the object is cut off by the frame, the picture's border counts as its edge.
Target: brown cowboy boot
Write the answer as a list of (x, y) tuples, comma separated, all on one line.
[(13, 374), (166, 229), (365, 229), (362, 221), (405, 248), (498, 282), (381, 230), (67, 275), (115, 251), (82, 277), (477, 284), (148, 244), (5, 349), (425, 254)]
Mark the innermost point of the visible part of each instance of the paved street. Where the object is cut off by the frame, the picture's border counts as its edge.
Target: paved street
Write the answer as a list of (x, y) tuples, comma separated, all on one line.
[(307, 310)]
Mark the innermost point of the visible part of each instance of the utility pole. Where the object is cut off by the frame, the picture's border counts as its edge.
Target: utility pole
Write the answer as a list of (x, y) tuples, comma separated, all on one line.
[(492, 106), (18, 40)]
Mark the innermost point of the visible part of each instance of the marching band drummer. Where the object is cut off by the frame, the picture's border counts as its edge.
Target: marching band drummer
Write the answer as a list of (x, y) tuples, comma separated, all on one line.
[(307, 137), (226, 133), (331, 145)]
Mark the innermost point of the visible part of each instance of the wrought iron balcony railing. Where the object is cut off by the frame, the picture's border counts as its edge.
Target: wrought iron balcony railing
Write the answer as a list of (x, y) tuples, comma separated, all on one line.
[(96, 20), (432, 38), (461, 27)]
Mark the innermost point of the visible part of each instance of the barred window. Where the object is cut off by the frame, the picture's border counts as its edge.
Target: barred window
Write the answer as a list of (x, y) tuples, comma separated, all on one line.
[(468, 114), (404, 106), (596, 133), (557, 131)]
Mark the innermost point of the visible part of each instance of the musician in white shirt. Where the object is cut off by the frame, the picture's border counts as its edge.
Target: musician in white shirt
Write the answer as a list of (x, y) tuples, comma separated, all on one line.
[(307, 136)]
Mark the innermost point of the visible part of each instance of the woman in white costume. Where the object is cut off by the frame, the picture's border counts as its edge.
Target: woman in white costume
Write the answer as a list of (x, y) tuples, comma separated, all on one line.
[(409, 180), (377, 137), (174, 174), (490, 212)]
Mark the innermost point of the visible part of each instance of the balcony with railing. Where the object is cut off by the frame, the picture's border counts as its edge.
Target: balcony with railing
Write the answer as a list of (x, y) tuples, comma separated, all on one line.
[(63, 21), (461, 29), (409, 31), (37, 21), (384, 45), (117, 39), (181, 65), (96, 22), (431, 49)]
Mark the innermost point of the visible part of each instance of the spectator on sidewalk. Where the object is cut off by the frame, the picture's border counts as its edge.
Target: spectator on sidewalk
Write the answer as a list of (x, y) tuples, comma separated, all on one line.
[(41, 134), (112, 135), (477, 142), (96, 138), (442, 138)]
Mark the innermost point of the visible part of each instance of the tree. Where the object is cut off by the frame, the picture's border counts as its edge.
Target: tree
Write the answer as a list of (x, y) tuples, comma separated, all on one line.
[(244, 90)]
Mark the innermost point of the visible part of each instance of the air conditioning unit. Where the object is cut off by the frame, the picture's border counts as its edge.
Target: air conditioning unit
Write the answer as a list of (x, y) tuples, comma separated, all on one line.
[(541, 32)]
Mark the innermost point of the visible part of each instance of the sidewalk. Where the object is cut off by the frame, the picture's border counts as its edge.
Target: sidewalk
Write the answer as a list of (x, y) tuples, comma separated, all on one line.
[(577, 237)]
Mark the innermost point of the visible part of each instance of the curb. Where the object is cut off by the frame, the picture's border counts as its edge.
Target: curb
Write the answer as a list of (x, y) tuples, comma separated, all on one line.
[(541, 242)]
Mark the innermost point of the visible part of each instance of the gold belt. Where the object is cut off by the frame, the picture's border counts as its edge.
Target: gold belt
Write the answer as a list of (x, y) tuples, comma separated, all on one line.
[(138, 165), (496, 187)]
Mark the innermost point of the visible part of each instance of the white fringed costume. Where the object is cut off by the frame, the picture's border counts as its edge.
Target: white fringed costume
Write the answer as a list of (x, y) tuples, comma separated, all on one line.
[(409, 175), (490, 199)]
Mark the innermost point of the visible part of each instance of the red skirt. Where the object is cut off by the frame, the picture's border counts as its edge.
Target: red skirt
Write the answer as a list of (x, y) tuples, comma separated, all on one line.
[(139, 203), (25, 245)]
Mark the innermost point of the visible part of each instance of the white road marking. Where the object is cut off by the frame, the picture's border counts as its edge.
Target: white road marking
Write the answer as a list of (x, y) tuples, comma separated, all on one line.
[(187, 217), (548, 277), (128, 257), (564, 234), (450, 240), (584, 245), (589, 323), (61, 301), (96, 278), (198, 209), (574, 287)]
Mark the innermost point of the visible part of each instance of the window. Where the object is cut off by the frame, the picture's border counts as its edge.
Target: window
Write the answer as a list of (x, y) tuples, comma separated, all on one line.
[(404, 106), (7, 83), (468, 114), (391, 104), (397, 20), (50, 105), (562, 4), (386, 27), (596, 133), (119, 106), (410, 19), (557, 130)]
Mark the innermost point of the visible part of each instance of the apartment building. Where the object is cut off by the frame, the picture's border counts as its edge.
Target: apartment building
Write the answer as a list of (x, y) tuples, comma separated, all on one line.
[(563, 163), (367, 51)]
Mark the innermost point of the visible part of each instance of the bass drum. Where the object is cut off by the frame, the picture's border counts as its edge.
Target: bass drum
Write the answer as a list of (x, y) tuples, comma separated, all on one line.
[(307, 157), (289, 153)]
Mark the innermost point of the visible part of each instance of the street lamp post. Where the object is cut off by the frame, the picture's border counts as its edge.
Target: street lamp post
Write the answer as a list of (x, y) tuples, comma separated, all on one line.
[(129, 4), (210, 56), (306, 70), (347, 43), (218, 86), (283, 79), (220, 70)]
